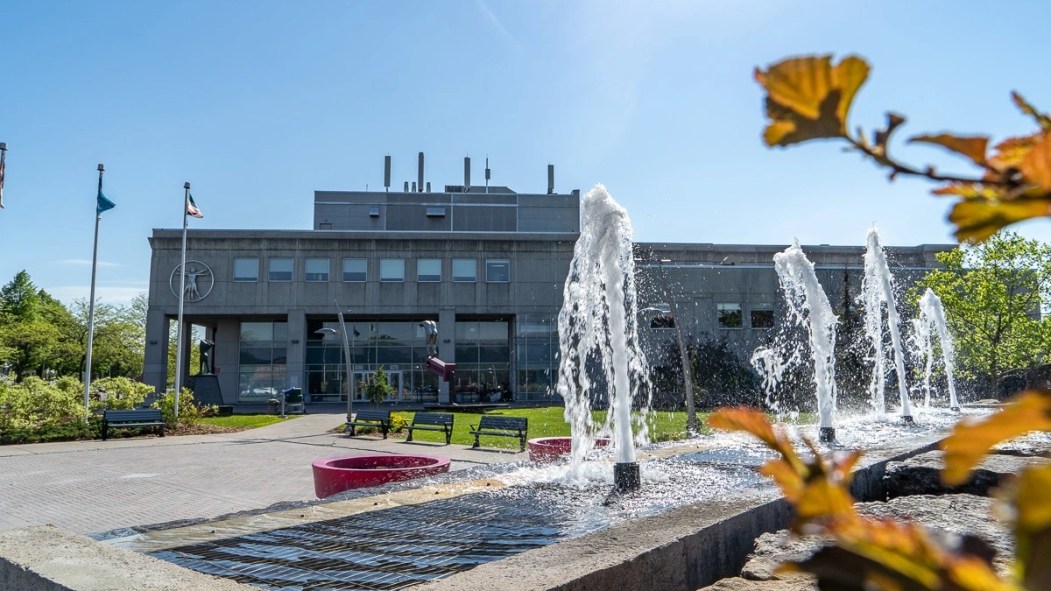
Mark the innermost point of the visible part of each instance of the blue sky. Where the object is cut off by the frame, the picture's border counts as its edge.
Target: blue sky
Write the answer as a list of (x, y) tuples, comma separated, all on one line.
[(258, 103)]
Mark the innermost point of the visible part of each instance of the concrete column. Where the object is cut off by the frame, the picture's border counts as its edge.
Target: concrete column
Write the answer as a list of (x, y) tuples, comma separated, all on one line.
[(295, 370), (446, 347), (155, 367)]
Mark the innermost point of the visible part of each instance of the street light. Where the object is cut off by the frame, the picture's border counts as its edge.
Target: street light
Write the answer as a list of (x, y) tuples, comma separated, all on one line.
[(346, 355)]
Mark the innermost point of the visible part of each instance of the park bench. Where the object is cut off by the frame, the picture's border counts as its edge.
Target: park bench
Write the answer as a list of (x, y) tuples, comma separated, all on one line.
[(369, 418), (127, 419), (432, 421), (501, 427)]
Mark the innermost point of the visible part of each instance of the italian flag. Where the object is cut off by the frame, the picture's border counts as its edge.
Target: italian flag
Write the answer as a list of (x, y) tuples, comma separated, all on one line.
[(191, 207)]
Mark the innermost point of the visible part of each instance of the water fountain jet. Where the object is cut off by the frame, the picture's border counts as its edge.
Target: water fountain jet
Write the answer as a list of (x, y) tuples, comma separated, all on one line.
[(932, 313), (877, 292), (808, 306), (598, 336)]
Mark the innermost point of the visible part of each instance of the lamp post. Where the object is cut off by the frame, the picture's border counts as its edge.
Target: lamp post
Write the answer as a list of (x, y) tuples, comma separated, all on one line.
[(347, 358)]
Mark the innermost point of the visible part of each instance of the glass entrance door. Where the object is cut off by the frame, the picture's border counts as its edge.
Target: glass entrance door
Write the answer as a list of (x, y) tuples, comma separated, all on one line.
[(394, 380)]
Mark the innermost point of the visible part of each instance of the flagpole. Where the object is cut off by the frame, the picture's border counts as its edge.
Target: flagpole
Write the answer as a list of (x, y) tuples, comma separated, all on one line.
[(3, 157), (182, 293), (91, 307)]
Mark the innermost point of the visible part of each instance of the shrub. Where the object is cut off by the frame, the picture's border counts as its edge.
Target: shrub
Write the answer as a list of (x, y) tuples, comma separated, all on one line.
[(189, 412), (398, 422)]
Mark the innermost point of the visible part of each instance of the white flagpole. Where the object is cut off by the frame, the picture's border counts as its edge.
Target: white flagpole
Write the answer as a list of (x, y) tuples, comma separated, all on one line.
[(182, 294), (91, 307)]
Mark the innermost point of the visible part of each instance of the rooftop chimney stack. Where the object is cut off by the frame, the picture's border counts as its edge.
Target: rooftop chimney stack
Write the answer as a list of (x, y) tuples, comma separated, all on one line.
[(550, 179), (414, 187), (406, 187), (466, 174), (386, 172), (428, 186), (419, 175)]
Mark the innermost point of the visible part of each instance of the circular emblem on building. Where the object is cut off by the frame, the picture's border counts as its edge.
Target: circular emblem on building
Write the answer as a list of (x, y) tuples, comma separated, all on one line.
[(199, 281)]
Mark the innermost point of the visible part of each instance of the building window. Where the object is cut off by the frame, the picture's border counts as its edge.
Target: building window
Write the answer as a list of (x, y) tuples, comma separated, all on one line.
[(280, 269), (315, 270), (465, 270), (497, 271), (659, 315), (354, 270), (429, 270), (729, 315), (262, 359), (762, 318), (392, 269), (246, 269)]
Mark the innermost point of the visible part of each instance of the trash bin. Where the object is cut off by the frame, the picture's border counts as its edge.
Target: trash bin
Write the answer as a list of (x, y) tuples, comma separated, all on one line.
[(294, 401)]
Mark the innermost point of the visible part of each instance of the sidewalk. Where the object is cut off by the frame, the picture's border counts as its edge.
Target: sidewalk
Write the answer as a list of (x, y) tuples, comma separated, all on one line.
[(96, 486)]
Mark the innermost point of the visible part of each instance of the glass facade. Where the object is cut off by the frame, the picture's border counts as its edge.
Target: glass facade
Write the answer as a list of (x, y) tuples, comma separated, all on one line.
[(483, 358), (399, 347), (246, 269), (279, 269), (392, 269), (354, 270), (536, 357), (262, 358), (315, 270), (465, 270), (429, 270)]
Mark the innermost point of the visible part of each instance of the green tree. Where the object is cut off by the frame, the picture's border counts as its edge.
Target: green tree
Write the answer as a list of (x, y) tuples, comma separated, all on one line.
[(378, 389), (31, 335), (992, 295)]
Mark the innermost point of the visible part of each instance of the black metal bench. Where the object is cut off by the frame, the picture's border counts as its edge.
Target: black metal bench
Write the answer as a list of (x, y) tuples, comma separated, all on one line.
[(127, 419), (369, 418), (501, 427), (432, 421)]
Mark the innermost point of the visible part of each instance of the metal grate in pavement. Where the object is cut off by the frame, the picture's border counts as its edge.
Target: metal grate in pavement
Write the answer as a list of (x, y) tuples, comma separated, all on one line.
[(387, 549)]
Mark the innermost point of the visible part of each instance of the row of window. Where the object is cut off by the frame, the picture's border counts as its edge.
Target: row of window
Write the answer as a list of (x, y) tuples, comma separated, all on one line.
[(318, 270), (731, 316)]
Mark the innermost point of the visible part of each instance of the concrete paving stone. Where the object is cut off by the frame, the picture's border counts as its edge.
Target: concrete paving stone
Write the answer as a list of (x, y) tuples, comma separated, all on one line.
[(95, 486)]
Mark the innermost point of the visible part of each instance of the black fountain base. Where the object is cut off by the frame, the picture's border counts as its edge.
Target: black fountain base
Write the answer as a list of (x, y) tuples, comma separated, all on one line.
[(626, 477), (826, 434), (907, 419)]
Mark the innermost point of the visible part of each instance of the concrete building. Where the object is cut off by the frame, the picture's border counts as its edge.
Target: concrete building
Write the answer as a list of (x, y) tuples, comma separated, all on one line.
[(486, 263)]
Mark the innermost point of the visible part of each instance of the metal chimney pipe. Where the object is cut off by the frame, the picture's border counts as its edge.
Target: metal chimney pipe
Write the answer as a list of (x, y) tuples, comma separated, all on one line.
[(550, 179), (406, 187), (419, 174), (414, 187), (428, 186), (466, 174), (386, 171), (487, 174)]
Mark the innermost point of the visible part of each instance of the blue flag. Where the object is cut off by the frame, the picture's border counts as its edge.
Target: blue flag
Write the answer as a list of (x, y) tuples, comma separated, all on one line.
[(104, 204)]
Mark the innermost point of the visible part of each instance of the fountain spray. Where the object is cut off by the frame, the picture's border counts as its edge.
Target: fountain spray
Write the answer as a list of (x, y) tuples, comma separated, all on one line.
[(878, 290), (932, 312), (598, 336)]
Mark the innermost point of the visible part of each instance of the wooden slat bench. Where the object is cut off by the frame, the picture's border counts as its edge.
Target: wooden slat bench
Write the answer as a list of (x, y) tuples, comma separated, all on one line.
[(127, 419), (501, 427), (369, 418), (432, 421)]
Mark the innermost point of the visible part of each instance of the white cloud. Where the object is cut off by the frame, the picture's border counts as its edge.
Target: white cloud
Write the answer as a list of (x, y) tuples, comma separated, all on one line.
[(106, 294), (86, 263), (497, 24)]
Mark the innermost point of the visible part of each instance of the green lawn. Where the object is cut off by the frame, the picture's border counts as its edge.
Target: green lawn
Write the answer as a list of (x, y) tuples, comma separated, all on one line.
[(549, 422), (243, 421)]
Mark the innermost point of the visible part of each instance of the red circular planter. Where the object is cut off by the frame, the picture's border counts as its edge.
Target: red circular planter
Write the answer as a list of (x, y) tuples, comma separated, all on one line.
[(544, 450), (334, 475)]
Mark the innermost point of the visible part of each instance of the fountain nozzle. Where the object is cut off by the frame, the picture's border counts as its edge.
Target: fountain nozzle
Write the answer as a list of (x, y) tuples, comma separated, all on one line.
[(955, 409), (907, 419), (826, 434), (626, 477)]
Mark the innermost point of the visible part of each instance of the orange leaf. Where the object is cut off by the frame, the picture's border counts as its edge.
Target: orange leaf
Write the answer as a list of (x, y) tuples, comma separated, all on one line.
[(823, 499), (1010, 152), (755, 422), (972, 147), (1041, 119), (970, 191), (786, 477), (808, 98), (1036, 165), (977, 220), (969, 442), (1033, 526)]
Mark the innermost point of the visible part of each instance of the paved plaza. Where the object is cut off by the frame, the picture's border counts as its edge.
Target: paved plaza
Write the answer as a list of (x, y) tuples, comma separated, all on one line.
[(97, 486)]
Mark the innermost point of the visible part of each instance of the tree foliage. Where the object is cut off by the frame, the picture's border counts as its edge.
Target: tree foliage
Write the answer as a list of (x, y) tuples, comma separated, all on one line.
[(40, 336), (886, 555), (809, 98), (992, 293)]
